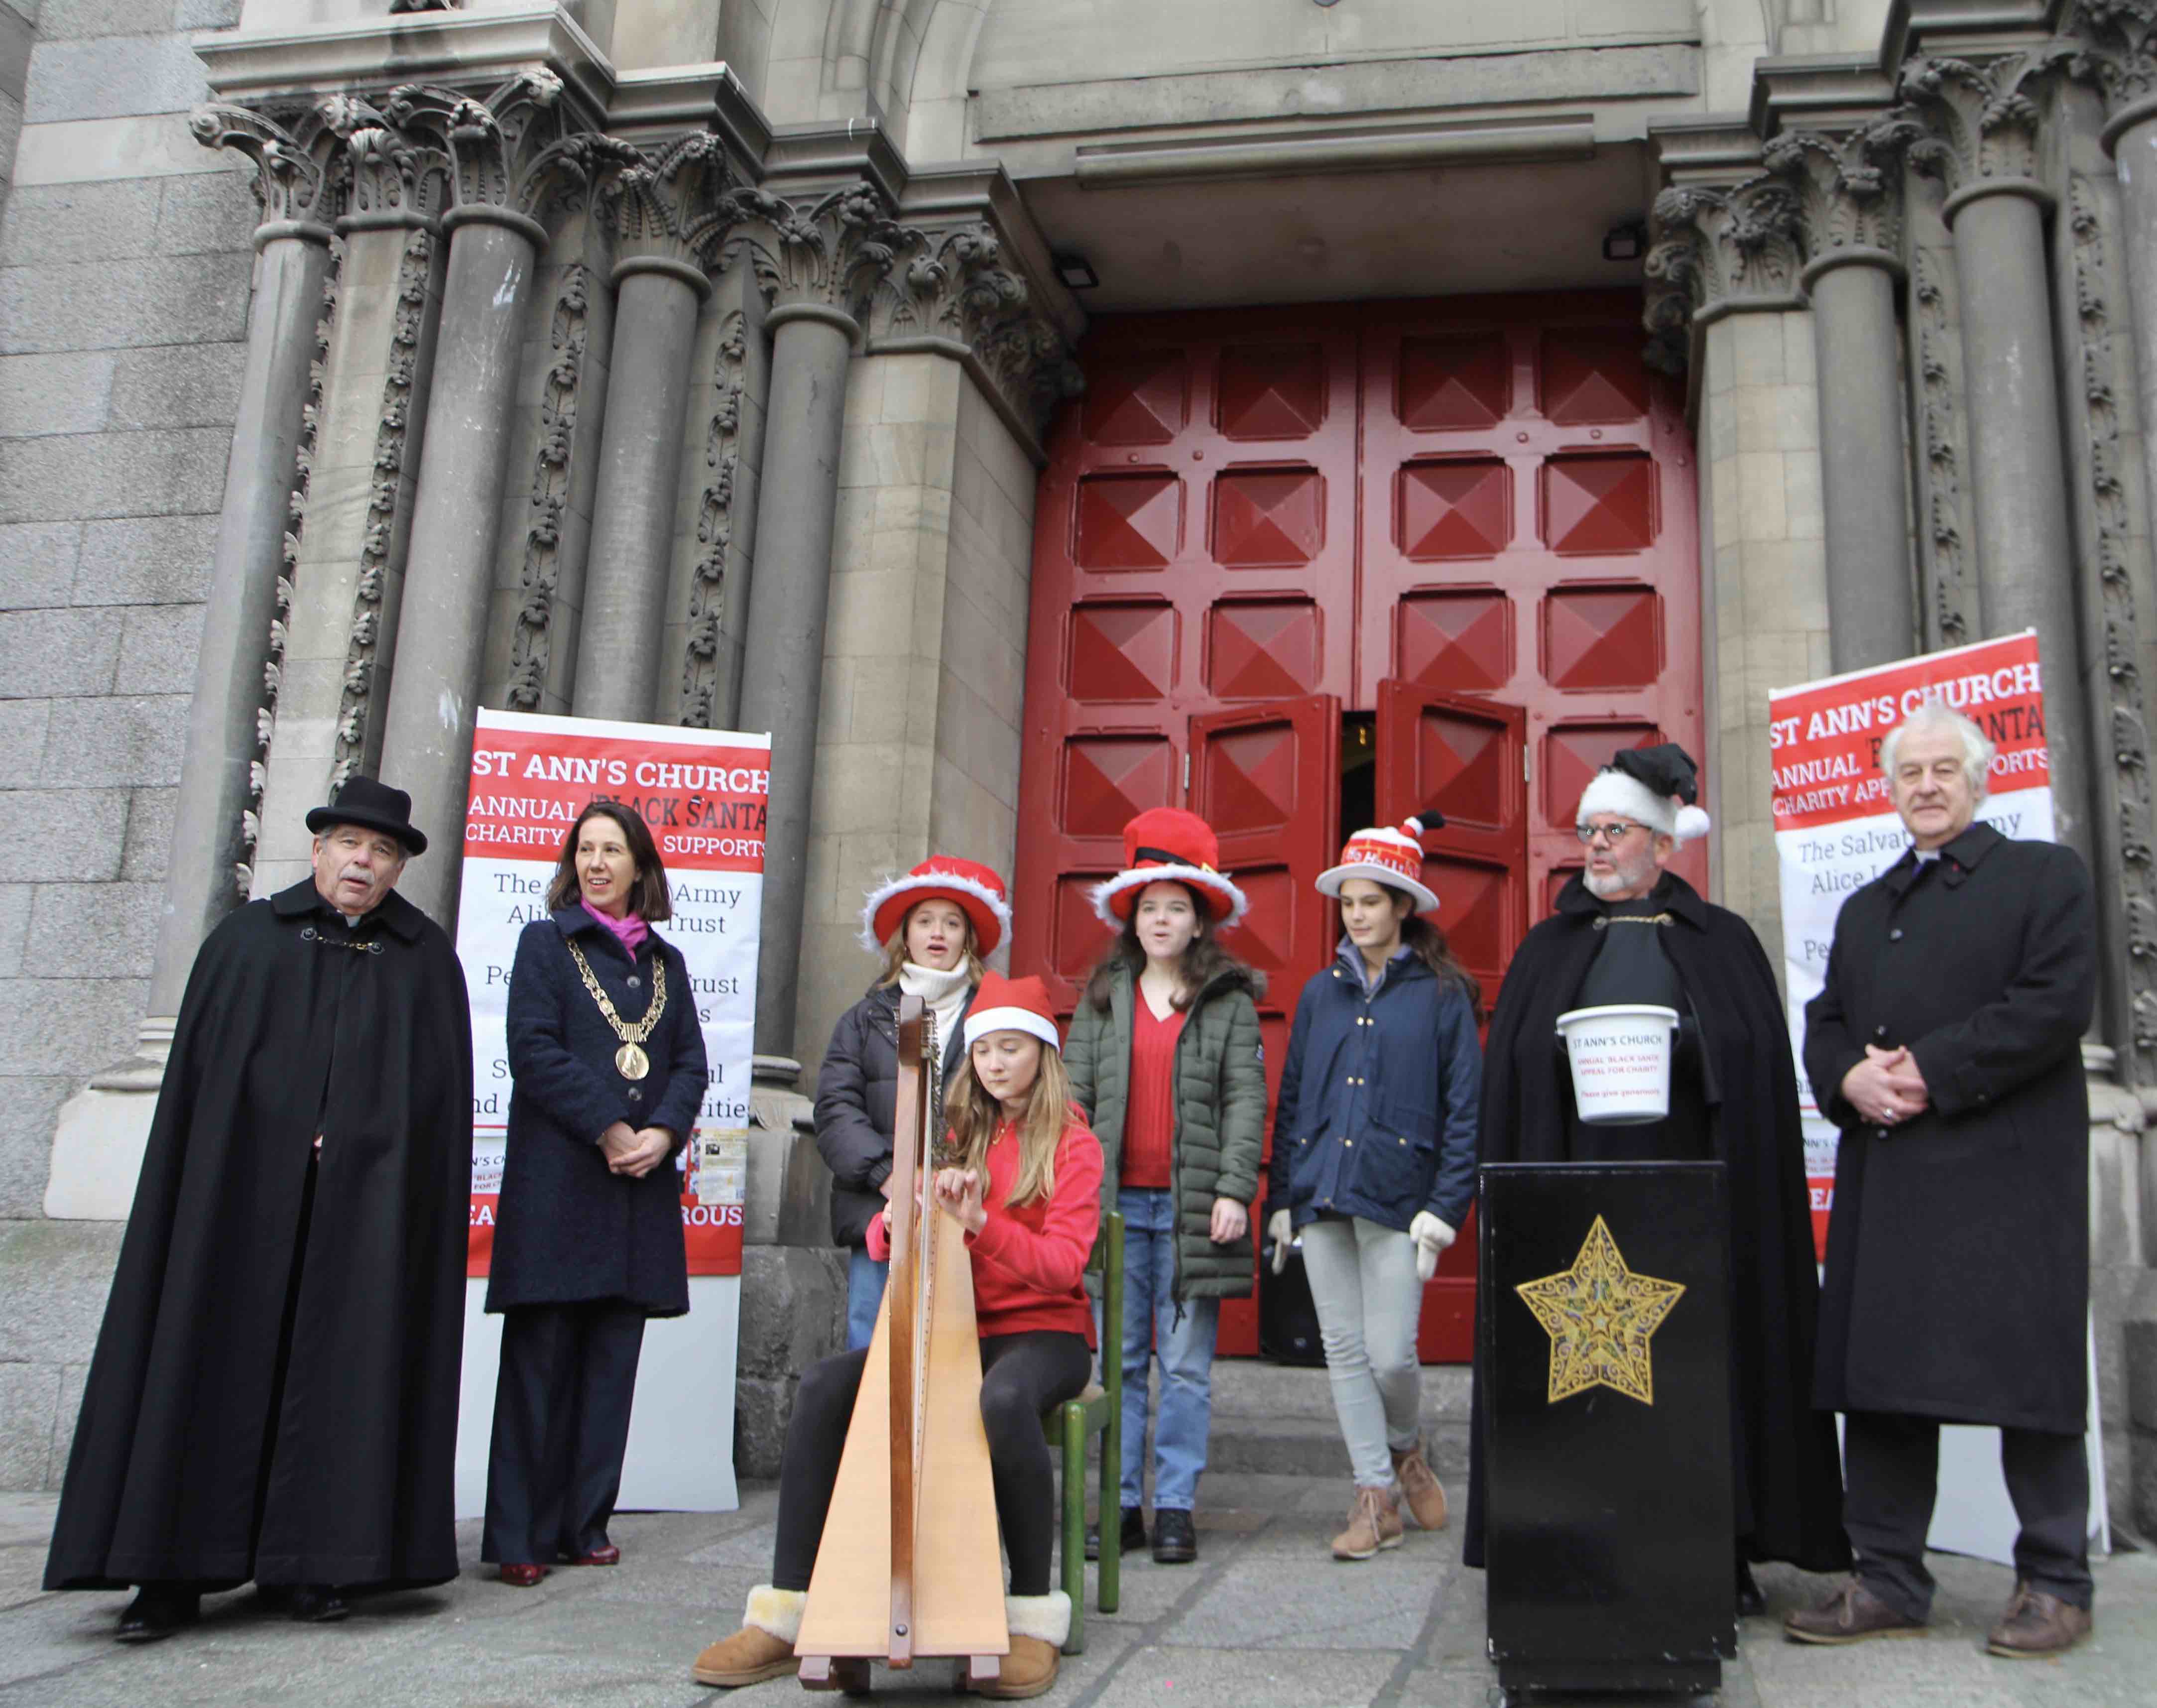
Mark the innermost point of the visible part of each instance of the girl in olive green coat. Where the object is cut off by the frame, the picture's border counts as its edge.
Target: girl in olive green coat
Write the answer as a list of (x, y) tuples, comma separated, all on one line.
[(1165, 1060)]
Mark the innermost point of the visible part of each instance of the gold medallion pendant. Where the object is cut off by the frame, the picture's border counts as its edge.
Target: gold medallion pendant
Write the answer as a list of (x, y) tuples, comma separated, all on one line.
[(630, 1061)]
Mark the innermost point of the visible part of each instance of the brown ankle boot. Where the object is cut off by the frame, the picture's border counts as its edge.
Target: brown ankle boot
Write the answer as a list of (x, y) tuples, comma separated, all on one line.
[(762, 1648), (2036, 1624), (1374, 1522), (1039, 1625), (1420, 1489)]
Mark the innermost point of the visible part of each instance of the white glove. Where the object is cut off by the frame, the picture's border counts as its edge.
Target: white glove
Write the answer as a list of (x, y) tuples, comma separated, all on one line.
[(1281, 1229), (1431, 1237)]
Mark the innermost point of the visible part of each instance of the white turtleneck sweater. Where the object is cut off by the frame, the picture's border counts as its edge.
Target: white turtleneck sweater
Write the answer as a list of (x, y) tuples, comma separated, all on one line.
[(945, 994)]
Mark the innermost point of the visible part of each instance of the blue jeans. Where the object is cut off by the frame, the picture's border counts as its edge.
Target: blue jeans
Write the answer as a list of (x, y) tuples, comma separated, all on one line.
[(865, 1279), (1184, 1345)]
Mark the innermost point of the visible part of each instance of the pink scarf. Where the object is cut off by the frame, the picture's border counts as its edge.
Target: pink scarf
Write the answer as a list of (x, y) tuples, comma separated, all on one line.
[(630, 930)]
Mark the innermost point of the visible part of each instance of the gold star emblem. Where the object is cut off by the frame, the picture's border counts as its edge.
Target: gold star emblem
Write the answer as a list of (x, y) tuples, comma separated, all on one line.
[(1600, 1317)]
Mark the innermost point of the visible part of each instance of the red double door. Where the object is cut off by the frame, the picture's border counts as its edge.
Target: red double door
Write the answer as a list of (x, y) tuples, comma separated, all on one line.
[(1386, 557)]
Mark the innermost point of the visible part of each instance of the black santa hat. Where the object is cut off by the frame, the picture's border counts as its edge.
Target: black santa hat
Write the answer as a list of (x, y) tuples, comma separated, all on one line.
[(1655, 786)]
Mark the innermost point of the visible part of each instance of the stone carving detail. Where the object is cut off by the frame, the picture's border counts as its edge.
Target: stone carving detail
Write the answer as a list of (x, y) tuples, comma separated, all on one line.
[(385, 501), (299, 171), (1949, 589), (1849, 186), (273, 669), (2121, 37), (521, 150), (392, 174), (1711, 245), (1981, 116), (2129, 786), (834, 252), (667, 203), (402, 5), (532, 648), (700, 666)]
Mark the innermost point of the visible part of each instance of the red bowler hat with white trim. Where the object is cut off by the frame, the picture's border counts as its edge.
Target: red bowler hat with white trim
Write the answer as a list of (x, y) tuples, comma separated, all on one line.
[(1165, 843), (1386, 855), (1011, 1004), (967, 884)]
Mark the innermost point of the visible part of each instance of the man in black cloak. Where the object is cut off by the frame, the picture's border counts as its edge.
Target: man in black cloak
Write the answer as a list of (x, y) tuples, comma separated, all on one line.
[(1627, 930), (274, 1395)]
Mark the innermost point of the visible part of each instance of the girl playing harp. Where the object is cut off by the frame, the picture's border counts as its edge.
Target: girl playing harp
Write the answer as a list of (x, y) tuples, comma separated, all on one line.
[(1027, 1191)]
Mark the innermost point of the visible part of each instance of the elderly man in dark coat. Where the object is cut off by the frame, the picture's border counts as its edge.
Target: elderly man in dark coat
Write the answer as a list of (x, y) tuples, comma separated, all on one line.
[(1946, 1044), (1627, 930), (274, 1395)]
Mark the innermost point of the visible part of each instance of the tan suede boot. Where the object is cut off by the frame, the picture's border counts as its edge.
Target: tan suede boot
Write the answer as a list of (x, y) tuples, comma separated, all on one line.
[(1420, 1489), (762, 1648), (1374, 1522), (1039, 1626)]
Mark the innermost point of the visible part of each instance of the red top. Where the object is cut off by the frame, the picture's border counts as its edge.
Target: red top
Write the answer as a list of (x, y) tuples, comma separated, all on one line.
[(1150, 1111), (1030, 1260)]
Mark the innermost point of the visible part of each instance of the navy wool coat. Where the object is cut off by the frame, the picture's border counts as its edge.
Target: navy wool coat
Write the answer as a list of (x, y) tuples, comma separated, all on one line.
[(567, 1229)]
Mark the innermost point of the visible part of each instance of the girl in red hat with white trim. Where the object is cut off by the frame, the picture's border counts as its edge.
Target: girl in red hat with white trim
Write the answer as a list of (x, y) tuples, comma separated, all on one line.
[(933, 927), (1374, 1163), (1028, 1196), (1167, 1061)]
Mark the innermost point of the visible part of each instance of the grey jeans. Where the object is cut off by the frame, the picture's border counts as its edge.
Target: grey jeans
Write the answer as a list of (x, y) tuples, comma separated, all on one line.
[(1369, 1298)]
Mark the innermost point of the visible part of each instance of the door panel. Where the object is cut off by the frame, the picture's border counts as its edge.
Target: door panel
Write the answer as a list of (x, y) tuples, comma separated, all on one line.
[(1267, 779), (1463, 756)]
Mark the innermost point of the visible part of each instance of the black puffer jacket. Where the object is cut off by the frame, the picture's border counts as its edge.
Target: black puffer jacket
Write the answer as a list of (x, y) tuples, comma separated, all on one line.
[(856, 1089)]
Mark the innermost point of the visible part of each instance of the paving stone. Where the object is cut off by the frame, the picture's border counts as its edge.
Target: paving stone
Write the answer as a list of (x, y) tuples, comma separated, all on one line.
[(116, 741), (89, 306), (179, 385), (61, 393), (161, 471), (50, 224), (67, 650), (157, 649), (113, 77), (148, 560), (30, 1403), (37, 563)]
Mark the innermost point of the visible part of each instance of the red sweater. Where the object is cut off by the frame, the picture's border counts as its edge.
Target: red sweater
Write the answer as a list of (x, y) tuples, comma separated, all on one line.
[(1149, 1154), (1030, 1260)]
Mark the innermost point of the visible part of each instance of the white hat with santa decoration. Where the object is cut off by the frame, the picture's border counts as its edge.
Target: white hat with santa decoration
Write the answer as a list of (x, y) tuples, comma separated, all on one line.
[(1655, 786), (1387, 854)]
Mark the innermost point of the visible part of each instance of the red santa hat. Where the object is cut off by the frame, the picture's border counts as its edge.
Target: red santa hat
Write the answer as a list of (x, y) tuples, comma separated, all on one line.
[(970, 885), (1387, 855), (1011, 1004), (1164, 844), (1655, 786)]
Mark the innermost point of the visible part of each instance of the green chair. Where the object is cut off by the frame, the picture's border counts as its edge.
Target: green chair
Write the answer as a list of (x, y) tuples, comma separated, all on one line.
[(1098, 1411)]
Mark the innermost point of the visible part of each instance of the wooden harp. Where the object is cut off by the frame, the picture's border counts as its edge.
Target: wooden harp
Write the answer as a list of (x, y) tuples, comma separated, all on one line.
[(911, 1563)]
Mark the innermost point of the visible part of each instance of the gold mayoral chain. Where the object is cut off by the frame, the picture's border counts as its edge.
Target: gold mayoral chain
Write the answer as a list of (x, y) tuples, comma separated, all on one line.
[(629, 1061)]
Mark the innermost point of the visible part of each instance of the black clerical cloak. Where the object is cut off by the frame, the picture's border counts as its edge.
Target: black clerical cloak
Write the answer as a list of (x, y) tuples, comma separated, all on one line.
[(1789, 1506), (293, 1025)]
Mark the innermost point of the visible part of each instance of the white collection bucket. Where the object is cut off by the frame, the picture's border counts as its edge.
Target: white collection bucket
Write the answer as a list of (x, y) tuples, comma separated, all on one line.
[(1621, 1061)]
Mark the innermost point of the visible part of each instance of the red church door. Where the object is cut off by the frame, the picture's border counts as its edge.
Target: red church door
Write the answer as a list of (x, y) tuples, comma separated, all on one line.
[(1465, 528)]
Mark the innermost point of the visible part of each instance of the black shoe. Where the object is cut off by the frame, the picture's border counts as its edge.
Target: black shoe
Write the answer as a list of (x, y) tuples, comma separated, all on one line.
[(1132, 1535), (1751, 1603), (1174, 1543), (156, 1612), (317, 1604)]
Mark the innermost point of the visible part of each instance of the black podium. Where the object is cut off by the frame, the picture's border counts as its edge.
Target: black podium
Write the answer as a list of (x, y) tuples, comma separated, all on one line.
[(1604, 1348)]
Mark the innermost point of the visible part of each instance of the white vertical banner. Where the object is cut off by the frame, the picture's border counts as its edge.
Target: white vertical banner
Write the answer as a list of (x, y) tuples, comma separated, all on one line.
[(703, 795)]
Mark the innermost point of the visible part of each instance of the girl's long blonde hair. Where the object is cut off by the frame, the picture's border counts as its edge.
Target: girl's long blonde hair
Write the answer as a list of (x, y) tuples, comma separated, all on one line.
[(975, 1116)]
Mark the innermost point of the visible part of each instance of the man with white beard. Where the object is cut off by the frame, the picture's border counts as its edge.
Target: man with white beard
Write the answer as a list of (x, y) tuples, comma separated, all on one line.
[(1626, 929)]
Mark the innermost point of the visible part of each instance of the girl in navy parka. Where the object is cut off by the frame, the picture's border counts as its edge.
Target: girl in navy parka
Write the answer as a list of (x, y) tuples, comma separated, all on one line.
[(1374, 1163)]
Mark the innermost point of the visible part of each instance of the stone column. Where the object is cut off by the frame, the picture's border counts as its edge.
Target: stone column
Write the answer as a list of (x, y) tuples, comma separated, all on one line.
[(665, 212), (819, 264), (507, 154), (1847, 186), (1983, 118)]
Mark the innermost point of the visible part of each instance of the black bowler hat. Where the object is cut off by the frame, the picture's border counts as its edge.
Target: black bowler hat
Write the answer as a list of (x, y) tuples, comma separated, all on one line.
[(362, 801)]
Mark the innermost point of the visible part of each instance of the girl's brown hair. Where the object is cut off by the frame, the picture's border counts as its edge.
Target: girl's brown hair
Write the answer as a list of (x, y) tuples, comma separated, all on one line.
[(895, 950), (649, 899), (975, 1116), (1430, 947), (1203, 961)]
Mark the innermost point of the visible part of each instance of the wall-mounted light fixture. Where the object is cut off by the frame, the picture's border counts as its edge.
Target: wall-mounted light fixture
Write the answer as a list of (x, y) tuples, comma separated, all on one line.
[(1625, 243), (1076, 272)]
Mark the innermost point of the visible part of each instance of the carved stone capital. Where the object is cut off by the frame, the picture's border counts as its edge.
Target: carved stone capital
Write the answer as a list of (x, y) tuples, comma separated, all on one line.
[(299, 159), (1848, 185), (2119, 39), (832, 252), (1718, 250), (395, 181), (665, 205), (1981, 114), (517, 155)]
